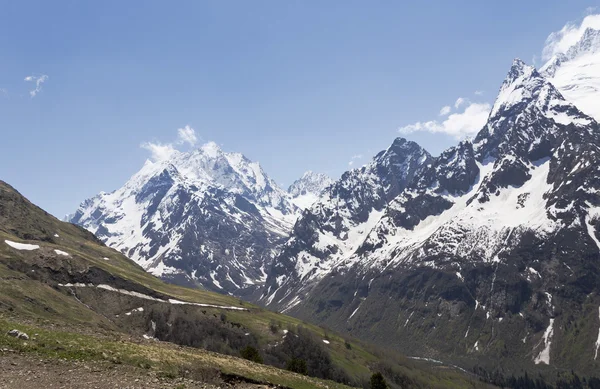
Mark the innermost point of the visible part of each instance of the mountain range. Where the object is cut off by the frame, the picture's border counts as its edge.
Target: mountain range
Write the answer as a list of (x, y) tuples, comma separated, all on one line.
[(488, 252)]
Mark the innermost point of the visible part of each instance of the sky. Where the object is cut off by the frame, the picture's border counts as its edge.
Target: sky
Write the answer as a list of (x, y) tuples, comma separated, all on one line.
[(90, 90)]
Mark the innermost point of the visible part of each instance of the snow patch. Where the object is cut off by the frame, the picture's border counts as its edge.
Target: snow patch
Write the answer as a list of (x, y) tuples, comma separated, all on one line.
[(544, 355), (146, 297), (597, 340), (22, 246)]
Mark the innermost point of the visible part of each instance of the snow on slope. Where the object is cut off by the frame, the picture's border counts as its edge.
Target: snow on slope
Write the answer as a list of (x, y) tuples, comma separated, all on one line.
[(474, 202), (22, 246), (468, 227), (209, 216), (336, 224), (307, 189), (576, 72)]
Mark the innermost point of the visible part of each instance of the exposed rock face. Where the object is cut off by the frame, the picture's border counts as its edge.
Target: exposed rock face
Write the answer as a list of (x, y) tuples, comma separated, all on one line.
[(206, 218), (489, 252), (332, 228)]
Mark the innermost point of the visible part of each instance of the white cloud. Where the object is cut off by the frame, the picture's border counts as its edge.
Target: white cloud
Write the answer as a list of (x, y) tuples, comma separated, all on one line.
[(445, 110), (458, 125), (460, 101), (478, 92), (354, 158), (159, 151), (560, 41), (187, 135), (38, 80), (3, 92)]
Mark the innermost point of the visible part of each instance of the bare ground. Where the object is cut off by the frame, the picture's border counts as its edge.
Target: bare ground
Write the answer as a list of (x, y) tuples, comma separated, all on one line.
[(26, 371)]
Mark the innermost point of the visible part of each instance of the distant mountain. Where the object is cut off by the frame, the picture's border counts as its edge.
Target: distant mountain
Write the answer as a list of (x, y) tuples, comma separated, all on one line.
[(576, 73), (334, 226), (487, 254), (65, 294), (206, 218), (307, 189)]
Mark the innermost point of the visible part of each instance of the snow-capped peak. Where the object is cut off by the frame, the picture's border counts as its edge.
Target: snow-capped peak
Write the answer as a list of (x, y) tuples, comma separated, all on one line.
[(526, 90), (211, 149), (310, 182), (307, 189), (576, 72), (520, 83)]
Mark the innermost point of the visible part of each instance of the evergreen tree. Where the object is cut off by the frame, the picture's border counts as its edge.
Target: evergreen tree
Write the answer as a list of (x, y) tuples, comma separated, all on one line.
[(378, 382), (251, 354)]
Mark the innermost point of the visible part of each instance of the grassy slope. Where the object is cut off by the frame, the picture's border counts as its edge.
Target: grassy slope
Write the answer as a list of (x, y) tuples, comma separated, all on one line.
[(26, 301)]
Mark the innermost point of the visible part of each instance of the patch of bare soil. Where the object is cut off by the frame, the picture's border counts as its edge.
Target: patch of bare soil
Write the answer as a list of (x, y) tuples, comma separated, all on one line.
[(25, 371)]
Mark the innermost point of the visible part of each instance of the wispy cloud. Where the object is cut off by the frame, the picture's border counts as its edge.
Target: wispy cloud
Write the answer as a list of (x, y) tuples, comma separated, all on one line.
[(3, 92), (459, 125), (478, 93), (445, 110), (161, 151), (460, 101), (355, 158), (38, 80), (187, 135), (560, 41)]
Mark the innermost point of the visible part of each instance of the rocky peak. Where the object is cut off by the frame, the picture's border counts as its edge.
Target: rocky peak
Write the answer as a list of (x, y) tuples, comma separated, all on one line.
[(525, 97), (310, 183)]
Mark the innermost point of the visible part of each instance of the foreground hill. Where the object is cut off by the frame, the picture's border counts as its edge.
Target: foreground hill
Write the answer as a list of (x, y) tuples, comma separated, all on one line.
[(85, 304)]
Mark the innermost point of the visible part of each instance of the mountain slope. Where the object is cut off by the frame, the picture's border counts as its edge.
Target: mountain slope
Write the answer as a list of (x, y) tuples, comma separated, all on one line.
[(576, 73), (206, 218), (82, 302), (490, 254), (332, 228), (308, 188)]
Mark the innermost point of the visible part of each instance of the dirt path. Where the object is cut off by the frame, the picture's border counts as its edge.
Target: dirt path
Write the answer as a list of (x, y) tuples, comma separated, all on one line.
[(24, 371)]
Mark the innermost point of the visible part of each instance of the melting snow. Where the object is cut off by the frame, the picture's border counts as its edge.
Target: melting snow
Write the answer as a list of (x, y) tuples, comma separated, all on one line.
[(325, 341), (146, 297), (598, 340), (544, 355), (591, 231), (356, 310), (140, 309), (409, 316), (22, 246), (63, 253)]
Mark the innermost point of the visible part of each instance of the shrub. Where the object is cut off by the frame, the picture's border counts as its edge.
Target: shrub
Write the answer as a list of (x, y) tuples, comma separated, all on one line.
[(378, 382), (297, 365), (250, 353)]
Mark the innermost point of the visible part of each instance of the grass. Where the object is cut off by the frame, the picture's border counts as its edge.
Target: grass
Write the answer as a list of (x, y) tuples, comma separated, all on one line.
[(69, 329), (167, 359)]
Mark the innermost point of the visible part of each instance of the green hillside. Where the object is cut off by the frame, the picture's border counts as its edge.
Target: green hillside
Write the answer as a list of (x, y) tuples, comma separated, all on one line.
[(86, 301)]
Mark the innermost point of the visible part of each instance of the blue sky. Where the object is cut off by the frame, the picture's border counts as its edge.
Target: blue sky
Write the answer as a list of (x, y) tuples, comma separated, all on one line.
[(296, 85)]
